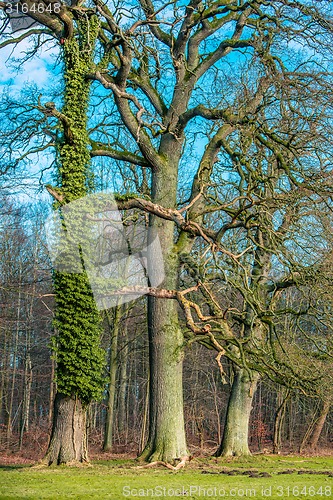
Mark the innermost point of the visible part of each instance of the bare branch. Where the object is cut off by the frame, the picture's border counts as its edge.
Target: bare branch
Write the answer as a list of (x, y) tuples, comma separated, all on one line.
[(150, 13), (99, 149)]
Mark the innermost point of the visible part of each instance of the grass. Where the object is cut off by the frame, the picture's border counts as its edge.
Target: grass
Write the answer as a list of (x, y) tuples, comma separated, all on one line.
[(257, 477)]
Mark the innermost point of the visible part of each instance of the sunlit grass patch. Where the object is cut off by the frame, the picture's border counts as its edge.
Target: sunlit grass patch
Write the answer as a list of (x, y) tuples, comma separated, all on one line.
[(257, 477)]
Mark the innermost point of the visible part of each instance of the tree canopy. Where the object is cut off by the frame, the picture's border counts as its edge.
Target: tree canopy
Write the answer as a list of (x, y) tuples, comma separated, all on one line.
[(214, 118)]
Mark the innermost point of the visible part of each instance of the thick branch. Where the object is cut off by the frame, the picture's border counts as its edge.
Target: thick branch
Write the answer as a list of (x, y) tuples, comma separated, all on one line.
[(133, 123), (174, 215), (225, 47), (99, 149), (49, 109), (208, 114), (143, 82)]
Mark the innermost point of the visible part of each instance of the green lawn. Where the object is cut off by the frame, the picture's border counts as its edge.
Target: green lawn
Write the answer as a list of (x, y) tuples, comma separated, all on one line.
[(258, 477)]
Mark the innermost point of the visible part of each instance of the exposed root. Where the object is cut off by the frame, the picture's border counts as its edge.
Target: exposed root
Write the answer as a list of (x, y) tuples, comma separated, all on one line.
[(76, 463), (180, 465), (40, 465)]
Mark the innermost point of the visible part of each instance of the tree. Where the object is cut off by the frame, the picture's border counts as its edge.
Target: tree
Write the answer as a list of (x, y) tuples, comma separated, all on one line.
[(266, 266), (79, 358), (114, 327), (160, 103)]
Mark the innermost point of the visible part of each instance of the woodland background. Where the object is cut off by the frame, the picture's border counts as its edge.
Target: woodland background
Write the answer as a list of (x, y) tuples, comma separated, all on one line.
[(213, 122), (27, 367)]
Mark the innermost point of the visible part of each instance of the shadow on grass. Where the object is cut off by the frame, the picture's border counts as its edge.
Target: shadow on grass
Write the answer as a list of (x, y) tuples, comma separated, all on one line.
[(14, 467)]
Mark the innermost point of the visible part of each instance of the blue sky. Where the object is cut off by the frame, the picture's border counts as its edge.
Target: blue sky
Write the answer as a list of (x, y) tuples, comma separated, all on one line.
[(39, 69)]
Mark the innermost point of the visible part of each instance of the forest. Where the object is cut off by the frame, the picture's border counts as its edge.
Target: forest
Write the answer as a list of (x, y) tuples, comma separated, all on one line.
[(166, 241)]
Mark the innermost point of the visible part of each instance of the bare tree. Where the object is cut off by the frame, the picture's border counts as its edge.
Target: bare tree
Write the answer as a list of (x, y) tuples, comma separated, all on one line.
[(159, 106)]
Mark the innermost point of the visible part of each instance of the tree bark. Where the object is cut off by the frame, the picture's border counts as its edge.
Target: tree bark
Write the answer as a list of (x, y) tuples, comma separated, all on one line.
[(166, 439), (278, 421), (68, 442), (236, 429), (319, 424), (4, 364), (51, 395), (123, 377), (166, 420), (27, 383), (15, 350), (111, 389)]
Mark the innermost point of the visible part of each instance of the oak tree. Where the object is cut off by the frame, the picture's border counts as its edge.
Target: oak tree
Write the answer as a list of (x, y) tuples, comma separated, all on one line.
[(167, 87)]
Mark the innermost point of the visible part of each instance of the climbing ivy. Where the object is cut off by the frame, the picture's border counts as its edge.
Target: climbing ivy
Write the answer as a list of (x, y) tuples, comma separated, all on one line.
[(77, 321)]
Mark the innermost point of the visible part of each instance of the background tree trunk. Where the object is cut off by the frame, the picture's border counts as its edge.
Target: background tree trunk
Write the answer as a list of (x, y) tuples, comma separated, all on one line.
[(51, 394), (236, 429), (27, 383), (112, 369), (279, 419), (319, 424), (14, 363), (122, 417)]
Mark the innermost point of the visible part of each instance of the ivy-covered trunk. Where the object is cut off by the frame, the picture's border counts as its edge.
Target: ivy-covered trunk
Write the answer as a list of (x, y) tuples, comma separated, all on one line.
[(77, 321), (166, 440), (236, 429)]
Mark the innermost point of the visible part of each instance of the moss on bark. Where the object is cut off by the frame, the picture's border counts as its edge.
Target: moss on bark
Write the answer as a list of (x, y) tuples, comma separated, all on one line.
[(166, 439), (236, 430)]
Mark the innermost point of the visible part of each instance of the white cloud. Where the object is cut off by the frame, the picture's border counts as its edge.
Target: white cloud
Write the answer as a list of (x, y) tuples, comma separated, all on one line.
[(36, 70)]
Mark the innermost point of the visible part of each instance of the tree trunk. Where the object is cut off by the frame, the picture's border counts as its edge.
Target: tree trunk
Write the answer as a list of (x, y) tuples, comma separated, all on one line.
[(278, 421), (216, 407), (51, 396), (15, 350), (319, 424), (166, 439), (68, 442), (4, 364), (236, 429), (144, 418), (111, 389), (26, 396), (166, 420), (79, 357), (123, 377)]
